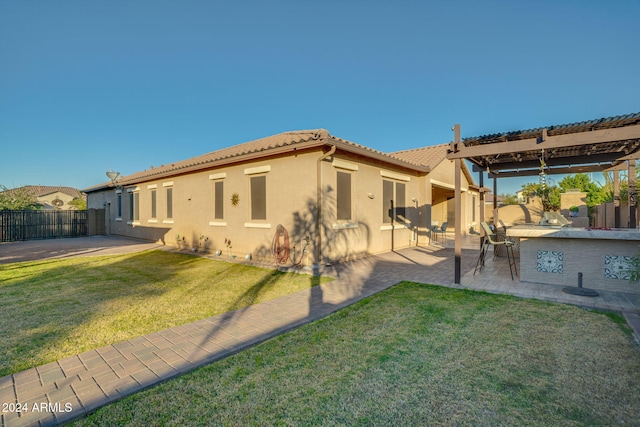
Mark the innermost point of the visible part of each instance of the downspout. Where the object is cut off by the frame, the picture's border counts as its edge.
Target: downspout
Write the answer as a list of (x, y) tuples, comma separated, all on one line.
[(319, 205)]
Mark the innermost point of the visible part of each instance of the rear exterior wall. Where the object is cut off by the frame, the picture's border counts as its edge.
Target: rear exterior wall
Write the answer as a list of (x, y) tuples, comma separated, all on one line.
[(291, 199)]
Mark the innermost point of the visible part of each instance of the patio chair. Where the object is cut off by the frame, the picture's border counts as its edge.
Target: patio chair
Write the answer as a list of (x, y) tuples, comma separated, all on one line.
[(501, 232), (491, 240), (433, 232), (442, 230)]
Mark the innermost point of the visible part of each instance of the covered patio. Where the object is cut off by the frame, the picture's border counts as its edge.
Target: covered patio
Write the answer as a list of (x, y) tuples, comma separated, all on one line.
[(607, 144)]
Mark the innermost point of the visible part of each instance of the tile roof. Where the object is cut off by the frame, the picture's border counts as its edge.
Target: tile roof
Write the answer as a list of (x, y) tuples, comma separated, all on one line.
[(44, 190), (431, 157), (427, 156), (258, 148)]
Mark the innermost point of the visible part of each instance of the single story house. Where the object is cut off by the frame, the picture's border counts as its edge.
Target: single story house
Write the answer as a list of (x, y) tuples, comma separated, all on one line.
[(48, 196), (297, 190)]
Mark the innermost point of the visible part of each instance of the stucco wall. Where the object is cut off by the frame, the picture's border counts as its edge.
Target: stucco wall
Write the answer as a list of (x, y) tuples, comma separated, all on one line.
[(442, 182), (366, 233), (568, 257), (291, 201)]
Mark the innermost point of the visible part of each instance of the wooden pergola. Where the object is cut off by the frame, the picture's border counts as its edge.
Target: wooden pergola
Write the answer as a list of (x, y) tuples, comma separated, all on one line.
[(608, 144)]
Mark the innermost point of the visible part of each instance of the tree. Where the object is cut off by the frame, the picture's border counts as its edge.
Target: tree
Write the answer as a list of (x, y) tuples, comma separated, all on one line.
[(596, 194), (509, 199), (79, 203), (550, 195), (17, 199), (607, 188)]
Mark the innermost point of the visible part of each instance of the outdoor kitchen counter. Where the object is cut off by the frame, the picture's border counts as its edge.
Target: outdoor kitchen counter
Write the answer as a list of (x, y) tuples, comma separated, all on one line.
[(555, 255), (558, 232)]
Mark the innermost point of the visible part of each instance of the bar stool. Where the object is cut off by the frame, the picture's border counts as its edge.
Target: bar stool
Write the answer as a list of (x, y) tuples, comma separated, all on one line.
[(490, 240)]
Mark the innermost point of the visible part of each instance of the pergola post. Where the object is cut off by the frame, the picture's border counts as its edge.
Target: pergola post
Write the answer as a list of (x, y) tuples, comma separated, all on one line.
[(616, 199), (632, 194), (457, 206), (495, 201), (481, 181)]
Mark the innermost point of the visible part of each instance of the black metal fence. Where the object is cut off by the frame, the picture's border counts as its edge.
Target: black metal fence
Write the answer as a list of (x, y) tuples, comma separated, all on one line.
[(42, 224)]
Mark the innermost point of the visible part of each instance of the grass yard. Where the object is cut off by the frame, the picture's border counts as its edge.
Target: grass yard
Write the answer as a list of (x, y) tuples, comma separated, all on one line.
[(414, 355), (56, 308)]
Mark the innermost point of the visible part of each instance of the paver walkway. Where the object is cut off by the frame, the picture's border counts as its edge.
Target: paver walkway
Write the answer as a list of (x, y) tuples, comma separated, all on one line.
[(71, 387)]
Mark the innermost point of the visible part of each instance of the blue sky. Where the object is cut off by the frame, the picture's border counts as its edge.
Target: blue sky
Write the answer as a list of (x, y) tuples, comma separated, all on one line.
[(89, 86)]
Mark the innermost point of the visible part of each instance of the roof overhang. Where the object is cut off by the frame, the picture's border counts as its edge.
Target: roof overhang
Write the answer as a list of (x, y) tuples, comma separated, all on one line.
[(262, 154), (376, 155)]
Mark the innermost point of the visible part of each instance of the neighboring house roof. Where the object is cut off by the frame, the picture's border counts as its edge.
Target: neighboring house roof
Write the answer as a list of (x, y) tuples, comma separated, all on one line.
[(271, 145), (45, 190), (431, 157)]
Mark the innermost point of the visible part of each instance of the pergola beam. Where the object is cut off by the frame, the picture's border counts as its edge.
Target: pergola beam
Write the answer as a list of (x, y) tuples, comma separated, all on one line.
[(582, 160), (558, 141), (552, 171)]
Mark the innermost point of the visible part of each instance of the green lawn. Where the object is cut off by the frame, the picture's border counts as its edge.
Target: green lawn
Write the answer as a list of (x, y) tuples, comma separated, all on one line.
[(414, 355), (56, 308)]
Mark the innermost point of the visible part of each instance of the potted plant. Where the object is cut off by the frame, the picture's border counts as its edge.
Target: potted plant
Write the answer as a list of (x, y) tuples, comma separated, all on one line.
[(573, 211)]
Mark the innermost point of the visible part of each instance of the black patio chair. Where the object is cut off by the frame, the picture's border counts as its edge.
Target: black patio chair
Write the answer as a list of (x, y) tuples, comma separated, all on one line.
[(443, 231)]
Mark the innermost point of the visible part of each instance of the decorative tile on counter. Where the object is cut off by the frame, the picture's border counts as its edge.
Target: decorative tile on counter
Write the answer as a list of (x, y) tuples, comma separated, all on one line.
[(550, 262), (618, 267)]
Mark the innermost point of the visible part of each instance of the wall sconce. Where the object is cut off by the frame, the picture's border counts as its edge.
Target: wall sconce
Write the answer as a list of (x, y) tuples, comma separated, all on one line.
[(371, 196)]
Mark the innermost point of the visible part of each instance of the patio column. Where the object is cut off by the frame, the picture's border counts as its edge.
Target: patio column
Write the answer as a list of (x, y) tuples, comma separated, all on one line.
[(481, 181), (457, 206), (495, 202), (632, 194), (616, 199)]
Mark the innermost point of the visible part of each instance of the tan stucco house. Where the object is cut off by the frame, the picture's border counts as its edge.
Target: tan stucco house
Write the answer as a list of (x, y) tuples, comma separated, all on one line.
[(337, 199)]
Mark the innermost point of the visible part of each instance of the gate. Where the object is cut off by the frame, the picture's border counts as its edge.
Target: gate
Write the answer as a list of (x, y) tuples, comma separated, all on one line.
[(44, 224)]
